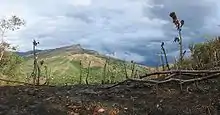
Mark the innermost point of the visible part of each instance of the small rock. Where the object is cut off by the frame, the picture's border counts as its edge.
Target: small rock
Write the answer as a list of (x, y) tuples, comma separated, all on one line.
[(101, 110)]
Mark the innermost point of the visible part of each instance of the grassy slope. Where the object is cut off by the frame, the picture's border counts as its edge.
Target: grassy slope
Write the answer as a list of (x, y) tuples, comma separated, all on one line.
[(64, 66)]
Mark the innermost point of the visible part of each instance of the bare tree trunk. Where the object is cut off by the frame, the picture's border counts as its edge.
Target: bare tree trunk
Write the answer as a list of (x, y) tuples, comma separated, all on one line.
[(104, 71), (125, 70), (181, 48), (132, 68), (165, 55), (38, 74), (80, 74), (162, 61), (35, 66), (88, 72), (2, 43)]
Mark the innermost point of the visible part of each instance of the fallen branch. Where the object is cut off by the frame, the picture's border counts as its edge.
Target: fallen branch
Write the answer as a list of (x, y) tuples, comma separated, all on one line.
[(156, 82), (201, 78), (120, 83), (181, 81), (192, 74), (170, 76), (180, 71)]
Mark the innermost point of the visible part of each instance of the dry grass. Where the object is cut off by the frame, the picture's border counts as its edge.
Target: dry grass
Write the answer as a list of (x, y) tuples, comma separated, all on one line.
[(95, 61)]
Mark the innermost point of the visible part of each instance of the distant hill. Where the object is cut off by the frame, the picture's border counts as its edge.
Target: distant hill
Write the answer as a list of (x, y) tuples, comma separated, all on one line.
[(27, 53), (64, 65)]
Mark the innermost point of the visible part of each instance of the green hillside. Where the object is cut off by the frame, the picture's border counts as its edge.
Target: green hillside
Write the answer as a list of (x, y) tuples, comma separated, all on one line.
[(63, 66)]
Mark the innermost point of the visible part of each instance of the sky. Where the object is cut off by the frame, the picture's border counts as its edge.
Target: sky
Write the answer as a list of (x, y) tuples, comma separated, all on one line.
[(133, 29)]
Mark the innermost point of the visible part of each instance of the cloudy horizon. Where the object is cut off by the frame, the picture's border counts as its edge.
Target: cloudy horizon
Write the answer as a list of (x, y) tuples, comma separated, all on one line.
[(134, 29)]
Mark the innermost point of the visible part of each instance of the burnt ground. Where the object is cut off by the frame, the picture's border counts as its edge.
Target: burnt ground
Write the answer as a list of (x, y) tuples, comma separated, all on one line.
[(127, 99)]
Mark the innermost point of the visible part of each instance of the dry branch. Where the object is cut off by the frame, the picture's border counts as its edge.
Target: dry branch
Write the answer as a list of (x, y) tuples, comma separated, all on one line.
[(181, 81), (157, 82), (180, 71), (120, 83), (170, 76), (201, 78)]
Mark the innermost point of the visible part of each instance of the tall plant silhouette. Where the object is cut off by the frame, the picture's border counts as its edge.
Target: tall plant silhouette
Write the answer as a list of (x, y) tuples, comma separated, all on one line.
[(179, 24), (161, 60), (165, 55), (35, 70)]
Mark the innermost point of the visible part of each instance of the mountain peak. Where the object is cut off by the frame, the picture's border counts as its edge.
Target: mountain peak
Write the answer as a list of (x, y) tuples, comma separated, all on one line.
[(73, 49)]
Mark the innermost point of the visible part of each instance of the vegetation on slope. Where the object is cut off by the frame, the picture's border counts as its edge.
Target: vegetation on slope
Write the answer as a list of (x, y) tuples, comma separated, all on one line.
[(67, 65), (9, 62), (64, 67)]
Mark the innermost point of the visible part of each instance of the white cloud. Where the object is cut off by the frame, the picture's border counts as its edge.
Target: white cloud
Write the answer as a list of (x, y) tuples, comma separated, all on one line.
[(113, 25), (80, 2), (128, 56)]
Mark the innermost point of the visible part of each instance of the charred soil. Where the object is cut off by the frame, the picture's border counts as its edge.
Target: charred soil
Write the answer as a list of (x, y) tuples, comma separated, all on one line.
[(125, 99)]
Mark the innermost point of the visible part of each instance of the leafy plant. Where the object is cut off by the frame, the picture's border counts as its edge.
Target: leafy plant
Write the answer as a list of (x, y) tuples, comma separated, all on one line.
[(9, 62), (203, 55), (11, 24)]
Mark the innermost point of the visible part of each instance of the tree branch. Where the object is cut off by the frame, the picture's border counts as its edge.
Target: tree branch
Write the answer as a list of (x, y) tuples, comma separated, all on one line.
[(156, 82)]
